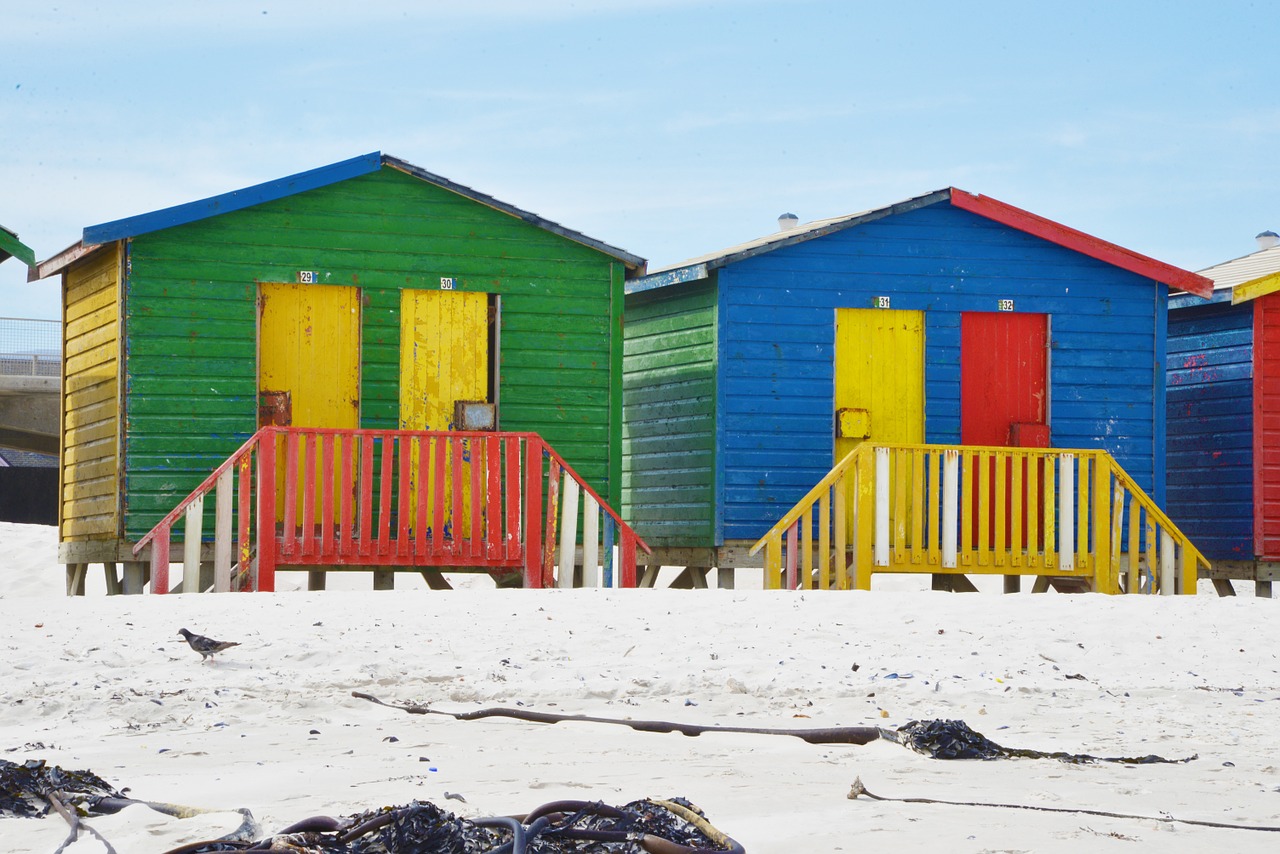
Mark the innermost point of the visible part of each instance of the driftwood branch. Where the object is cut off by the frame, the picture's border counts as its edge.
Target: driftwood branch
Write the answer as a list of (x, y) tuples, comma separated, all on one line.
[(829, 735)]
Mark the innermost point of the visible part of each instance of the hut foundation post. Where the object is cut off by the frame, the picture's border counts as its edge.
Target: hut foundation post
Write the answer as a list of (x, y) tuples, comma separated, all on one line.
[(316, 579), (384, 579), (135, 577), (75, 578), (724, 577), (112, 574)]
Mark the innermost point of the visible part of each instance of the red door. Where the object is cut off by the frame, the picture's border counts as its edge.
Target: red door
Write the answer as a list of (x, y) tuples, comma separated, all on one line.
[(1004, 388)]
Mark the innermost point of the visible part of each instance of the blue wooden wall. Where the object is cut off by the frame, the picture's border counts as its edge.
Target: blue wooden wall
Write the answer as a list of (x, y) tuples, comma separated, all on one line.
[(776, 347), (1210, 424)]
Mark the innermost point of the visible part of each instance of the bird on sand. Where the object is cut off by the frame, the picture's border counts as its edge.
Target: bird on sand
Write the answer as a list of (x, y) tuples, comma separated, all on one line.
[(205, 646)]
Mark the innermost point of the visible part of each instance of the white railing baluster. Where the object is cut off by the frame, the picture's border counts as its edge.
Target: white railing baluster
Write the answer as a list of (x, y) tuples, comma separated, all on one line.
[(222, 532), (1168, 565), (568, 529), (950, 506), (191, 546), (590, 541), (1066, 518), (882, 490)]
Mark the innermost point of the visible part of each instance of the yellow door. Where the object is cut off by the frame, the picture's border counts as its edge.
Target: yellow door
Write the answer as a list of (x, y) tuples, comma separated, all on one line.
[(309, 359), (879, 389), (444, 355), (444, 358)]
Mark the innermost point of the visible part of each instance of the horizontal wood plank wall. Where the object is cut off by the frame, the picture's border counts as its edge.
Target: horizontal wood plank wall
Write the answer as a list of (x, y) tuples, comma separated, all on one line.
[(668, 439), (192, 316), (1266, 420), (777, 323), (90, 426), (1210, 403)]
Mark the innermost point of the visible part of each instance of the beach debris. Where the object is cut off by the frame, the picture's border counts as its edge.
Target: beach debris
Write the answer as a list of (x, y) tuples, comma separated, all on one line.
[(672, 826), (206, 646), (859, 789), (939, 739)]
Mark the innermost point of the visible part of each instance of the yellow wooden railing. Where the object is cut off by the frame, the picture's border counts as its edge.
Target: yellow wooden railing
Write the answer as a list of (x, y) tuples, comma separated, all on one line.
[(964, 509)]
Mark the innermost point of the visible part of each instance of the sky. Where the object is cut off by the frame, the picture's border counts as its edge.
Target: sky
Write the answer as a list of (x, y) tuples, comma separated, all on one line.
[(668, 128)]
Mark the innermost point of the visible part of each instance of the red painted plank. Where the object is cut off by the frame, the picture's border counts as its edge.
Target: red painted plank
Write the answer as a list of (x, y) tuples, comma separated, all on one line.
[(364, 536), (477, 495), (404, 512), (1266, 427), (533, 513), (420, 497), (327, 509), (439, 544), (309, 459), (493, 498), (626, 557), (512, 495), (346, 521), (289, 534), (160, 560), (455, 490), (1125, 259), (265, 579)]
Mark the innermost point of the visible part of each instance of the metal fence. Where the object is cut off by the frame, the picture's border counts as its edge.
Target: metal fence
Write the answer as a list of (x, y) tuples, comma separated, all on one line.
[(30, 348)]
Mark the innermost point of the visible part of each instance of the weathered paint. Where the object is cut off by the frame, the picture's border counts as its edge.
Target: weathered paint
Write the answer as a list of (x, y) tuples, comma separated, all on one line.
[(308, 349), (309, 338), (1210, 445), (190, 319), (89, 506), (1003, 374), (1266, 426), (444, 355), (776, 346), (879, 371), (668, 435)]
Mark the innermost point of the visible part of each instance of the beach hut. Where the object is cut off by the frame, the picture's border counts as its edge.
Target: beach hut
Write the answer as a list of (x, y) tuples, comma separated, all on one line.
[(369, 294), (950, 318), (1224, 416)]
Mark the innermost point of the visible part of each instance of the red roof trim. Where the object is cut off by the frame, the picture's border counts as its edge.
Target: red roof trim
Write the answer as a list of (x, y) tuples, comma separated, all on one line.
[(1175, 277)]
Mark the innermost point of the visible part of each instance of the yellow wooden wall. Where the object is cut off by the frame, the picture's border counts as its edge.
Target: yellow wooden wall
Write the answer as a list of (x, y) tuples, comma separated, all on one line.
[(91, 398)]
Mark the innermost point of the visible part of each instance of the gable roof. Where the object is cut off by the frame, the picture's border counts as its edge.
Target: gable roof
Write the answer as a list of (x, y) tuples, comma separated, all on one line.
[(107, 232), (985, 206), (11, 247)]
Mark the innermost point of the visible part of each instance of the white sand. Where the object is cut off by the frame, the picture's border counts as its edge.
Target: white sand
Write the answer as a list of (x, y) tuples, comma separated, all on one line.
[(104, 683)]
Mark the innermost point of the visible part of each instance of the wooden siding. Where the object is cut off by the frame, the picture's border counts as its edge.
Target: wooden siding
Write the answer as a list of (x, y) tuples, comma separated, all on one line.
[(91, 387), (191, 321), (776, 314), (1266, 425), (1210, 427), (668, 439)]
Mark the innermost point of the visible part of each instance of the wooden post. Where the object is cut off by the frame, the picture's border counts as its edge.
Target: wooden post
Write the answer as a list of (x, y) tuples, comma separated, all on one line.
[(265, 579), (590, 541), (160, 560), (568, 531), (191, 536), (222, 532)]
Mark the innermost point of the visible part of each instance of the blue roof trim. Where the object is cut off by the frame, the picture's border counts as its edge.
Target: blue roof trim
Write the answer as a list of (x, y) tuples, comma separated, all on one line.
[(233, 201), (692, 273), (1185, 300)]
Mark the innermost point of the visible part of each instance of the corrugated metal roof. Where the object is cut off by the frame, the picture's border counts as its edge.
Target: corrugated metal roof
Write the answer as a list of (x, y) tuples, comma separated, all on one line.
[(1246, 268)]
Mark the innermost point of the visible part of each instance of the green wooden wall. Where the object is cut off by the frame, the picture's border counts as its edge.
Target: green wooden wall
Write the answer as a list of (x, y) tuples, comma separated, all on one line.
[(668, 430), (191, 323)]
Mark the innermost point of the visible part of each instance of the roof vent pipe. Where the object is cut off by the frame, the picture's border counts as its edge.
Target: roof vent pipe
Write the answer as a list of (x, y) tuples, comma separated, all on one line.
[(1267, 239), (788, 221)]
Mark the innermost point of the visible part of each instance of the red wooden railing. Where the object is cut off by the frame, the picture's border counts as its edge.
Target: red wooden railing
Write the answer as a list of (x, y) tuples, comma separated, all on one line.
[(304, 497)]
